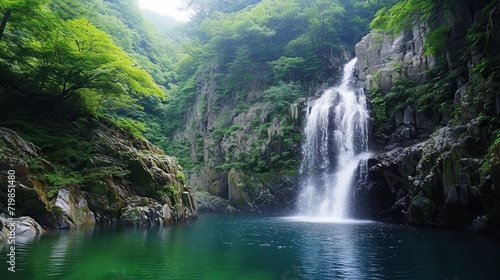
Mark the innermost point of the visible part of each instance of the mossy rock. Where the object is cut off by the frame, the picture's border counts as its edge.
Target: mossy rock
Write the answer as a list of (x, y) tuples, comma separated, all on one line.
[(422, 211), (133, 214), (490, 198), (98, 203), (430, 187), (140, 178), (237, 189), (214, 187)]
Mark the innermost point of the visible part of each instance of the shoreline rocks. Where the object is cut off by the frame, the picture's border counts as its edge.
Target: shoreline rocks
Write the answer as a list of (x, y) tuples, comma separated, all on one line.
[(121, 171)]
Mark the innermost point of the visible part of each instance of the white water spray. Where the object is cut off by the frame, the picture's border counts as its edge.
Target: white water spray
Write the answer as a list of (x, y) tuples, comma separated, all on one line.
[(336, 141)]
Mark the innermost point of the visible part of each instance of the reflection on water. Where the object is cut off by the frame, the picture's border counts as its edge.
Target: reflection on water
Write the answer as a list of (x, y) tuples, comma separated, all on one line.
[(243, 247), (338, 255)]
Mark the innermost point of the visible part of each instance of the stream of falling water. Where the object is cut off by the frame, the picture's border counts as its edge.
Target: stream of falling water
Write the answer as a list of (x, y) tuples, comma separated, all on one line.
[(336, 141)]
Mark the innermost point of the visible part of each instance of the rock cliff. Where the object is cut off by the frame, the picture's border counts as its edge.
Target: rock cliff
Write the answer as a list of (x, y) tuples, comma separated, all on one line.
[(114, 178), (434, 167), (243, 147)]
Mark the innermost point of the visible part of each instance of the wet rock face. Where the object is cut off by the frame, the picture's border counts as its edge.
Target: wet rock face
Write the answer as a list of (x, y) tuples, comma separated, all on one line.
[(146, 212), (385, 192), (73, 208), (139, 172), (433, 183), (382, 59)]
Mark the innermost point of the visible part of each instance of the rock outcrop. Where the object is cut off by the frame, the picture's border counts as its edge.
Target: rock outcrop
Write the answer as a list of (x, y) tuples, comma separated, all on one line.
[(433, 183), (23, 229), (235, 142), (123, 179), (382, 59), (73, 208), (445, 178)]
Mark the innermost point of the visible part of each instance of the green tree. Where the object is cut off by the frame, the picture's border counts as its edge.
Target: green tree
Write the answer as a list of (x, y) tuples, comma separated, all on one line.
[(404, 14), (61, 59), (17, 11)]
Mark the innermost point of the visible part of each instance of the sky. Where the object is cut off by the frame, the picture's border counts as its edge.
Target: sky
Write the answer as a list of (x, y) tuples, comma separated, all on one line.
[(169, 7)]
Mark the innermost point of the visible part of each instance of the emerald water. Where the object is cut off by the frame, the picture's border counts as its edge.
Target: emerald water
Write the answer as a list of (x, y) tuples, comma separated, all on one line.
[(254, 247)]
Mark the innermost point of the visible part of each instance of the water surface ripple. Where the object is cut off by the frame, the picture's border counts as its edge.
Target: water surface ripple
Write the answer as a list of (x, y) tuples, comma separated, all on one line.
[(250, 247)]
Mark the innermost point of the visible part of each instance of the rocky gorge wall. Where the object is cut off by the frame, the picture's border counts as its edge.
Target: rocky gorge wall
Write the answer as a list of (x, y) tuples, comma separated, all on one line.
[(125, 180), (245, 141), (382, 59), (432, 168), (236, 146)]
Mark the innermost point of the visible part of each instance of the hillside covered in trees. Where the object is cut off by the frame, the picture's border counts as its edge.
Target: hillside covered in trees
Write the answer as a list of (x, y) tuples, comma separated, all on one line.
[(76, 61), (224, 93)]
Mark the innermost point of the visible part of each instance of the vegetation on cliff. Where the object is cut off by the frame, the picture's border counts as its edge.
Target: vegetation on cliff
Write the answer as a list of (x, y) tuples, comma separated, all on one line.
[(238, 66), (246, 54), (224, 92), (236, 104), (431, 68)]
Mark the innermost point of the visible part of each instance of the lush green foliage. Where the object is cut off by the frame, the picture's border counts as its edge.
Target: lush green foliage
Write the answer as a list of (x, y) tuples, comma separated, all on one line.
[(485, 75), (102, 58), (434, 95), (239, 48), (403, 15), (437, 94), (54, 54), (425, 14)]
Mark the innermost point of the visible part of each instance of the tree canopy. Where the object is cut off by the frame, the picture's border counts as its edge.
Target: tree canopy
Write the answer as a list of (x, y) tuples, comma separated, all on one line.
[(51, 50), (109, 60)]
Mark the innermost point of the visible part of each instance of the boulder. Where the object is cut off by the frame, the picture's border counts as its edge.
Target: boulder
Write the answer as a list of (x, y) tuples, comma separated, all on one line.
[(72, 209), (207, 202), (146, 212), (422, 211), (26, 229), (238, 194)]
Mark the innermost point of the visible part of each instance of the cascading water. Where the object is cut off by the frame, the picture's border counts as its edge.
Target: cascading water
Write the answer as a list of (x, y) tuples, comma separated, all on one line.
[(336, 141)]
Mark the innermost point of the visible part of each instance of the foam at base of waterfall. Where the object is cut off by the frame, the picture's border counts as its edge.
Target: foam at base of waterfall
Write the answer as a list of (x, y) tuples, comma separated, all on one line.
[(325, 220)]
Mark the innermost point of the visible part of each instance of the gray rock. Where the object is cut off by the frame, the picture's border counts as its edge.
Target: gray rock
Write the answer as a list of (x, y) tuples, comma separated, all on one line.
[(206, 202), (22, 147), (74, 209), (480, 224), (406, 133), (422, 211), (26, 229), (146, 212)]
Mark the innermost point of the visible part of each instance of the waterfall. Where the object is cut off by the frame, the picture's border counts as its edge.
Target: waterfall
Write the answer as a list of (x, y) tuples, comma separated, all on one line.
[(336, 140)]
